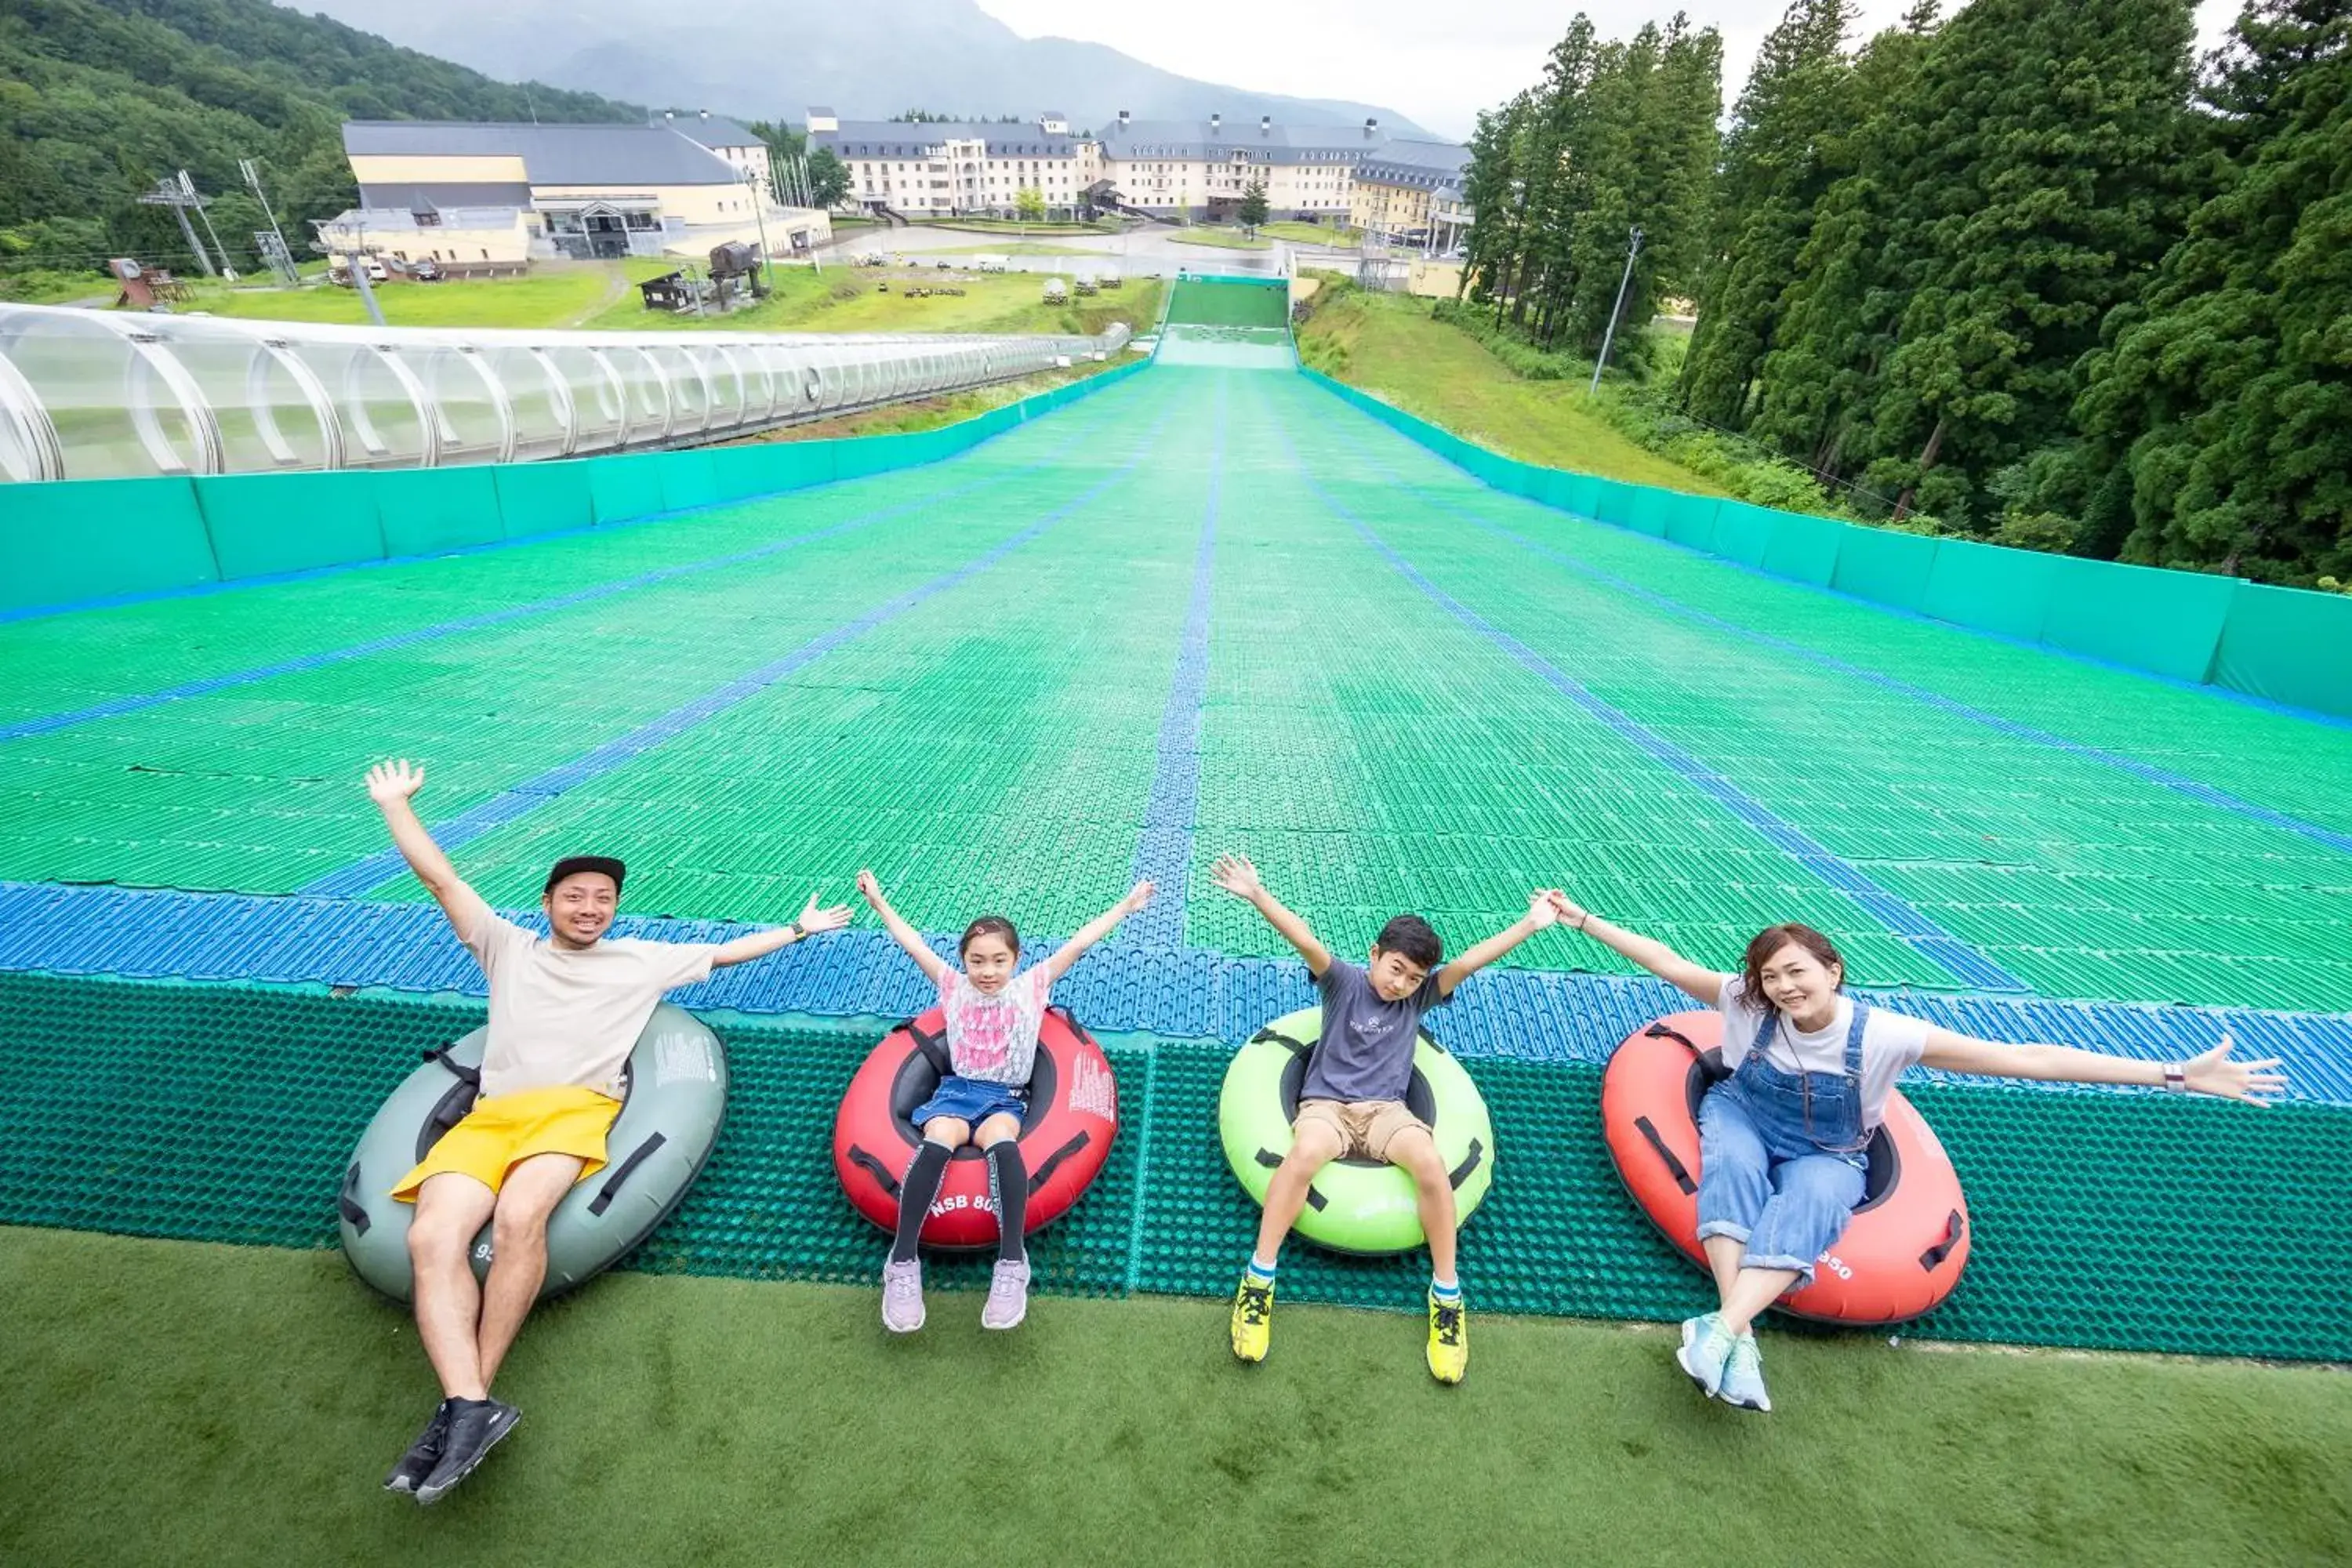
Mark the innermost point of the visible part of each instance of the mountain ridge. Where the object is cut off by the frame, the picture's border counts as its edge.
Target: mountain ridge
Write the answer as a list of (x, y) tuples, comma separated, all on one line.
[(773, 58)]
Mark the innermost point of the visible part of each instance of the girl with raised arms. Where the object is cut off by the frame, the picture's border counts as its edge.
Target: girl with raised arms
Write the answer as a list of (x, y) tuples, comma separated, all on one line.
[(993, 1019)]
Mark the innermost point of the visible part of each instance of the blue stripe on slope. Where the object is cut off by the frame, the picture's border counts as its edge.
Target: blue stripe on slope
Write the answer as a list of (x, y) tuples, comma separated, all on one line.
[(209, 684), (1163, 852), (1914, 930), (2203, 792), (533, 793), (1523, 1015)]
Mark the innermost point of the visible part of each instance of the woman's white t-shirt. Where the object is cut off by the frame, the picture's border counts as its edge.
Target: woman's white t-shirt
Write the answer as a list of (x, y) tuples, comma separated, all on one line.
[(1890, 1042)]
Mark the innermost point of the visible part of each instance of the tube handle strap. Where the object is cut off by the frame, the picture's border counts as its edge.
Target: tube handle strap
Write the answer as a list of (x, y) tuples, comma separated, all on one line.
[(457, 1069), (1044, 1172), (935, 1046), (347, 1202), (613, 1183), (1665, 1031), (874, 1168), (1272, 1161), (1953, 1230), (1675, 1167)]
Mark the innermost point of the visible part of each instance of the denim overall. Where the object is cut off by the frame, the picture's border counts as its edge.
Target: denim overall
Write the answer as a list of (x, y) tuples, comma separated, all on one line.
[(1780, 1154)]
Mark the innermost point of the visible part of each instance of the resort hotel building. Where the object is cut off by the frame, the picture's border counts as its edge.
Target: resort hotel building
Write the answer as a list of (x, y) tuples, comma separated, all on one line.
[(1406, 189)]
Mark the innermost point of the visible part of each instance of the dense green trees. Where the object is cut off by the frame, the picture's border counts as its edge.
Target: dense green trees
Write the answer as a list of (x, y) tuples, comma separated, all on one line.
[(99, 98), (1617, 133), (2019, 275), (2217, 418)]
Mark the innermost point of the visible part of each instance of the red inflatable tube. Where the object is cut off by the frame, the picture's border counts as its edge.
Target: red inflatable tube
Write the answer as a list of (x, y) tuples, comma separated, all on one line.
[(1901, 1253), (1073, 1119)]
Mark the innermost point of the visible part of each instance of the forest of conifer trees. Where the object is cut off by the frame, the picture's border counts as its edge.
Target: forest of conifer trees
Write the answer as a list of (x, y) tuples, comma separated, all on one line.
[(2029, 273)]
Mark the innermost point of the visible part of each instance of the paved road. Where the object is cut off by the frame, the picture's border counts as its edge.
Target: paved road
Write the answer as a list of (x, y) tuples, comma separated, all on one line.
[(1151, 251)]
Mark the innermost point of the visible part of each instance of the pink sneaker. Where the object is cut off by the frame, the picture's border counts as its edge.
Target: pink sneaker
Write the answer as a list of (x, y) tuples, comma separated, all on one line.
[(1008, 1297), (902, 1296)]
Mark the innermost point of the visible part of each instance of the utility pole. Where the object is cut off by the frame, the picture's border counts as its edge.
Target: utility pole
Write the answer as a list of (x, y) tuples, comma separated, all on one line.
[(252, 173), (167, 195), (1609, 337), (759, 212), (189, 186), (356, 260)]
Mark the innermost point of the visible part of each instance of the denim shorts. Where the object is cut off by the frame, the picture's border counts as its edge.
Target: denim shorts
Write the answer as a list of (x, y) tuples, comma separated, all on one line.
[(971, 1100)]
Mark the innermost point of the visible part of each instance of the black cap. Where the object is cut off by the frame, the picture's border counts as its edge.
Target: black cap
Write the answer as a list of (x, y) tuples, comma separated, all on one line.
[(571, 863)]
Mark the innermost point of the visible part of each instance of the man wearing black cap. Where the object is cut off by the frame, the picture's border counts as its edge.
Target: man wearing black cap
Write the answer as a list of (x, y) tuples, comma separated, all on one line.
[(565, 1011)]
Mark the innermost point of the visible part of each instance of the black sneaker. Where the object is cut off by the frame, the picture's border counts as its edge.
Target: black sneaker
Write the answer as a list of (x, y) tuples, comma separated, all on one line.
[(474, 1426), (422, 1455)]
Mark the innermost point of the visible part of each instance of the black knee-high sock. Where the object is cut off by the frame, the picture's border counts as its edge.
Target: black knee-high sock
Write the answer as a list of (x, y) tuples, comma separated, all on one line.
[(1008, 1184), (916, 1191)]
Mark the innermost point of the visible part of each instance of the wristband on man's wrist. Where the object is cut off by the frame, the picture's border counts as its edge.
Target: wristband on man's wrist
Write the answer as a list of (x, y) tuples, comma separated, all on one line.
[(797, 931), (2176, 1077)]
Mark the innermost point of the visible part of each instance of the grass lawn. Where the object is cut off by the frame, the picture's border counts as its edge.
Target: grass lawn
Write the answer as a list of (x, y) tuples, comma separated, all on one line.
[(551, 297), (1313, 233), (846, 300), (839, 299), (175, 1402), (1222, 238), (1388, 344)]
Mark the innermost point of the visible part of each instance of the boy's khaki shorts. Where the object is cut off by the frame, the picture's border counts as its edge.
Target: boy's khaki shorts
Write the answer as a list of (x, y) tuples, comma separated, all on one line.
[(1365, 1126)]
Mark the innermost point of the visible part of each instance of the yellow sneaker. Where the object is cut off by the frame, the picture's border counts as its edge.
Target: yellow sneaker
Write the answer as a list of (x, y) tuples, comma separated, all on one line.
[(1449, 1340), (1253, 1319)]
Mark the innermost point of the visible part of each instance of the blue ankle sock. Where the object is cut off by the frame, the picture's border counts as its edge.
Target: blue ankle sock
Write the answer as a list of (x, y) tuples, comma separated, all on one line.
[(1452, 1292), (1261, 1272)]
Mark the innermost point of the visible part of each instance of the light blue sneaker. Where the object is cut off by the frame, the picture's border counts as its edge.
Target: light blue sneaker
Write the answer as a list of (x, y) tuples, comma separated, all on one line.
[(1743, 1378), (1707, 1346)]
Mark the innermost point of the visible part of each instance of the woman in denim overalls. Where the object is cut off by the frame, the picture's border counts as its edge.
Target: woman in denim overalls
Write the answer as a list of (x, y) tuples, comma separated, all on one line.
[(1781, 1151)]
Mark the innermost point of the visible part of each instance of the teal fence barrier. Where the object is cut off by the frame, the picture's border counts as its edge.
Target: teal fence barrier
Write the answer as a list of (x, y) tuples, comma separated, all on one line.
[(2287, 646), (70, 541), (149, 534), (2281, 645)]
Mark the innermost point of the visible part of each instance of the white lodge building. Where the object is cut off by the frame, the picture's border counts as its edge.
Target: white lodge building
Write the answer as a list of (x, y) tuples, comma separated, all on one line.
[(1165, 168), (485, 196)]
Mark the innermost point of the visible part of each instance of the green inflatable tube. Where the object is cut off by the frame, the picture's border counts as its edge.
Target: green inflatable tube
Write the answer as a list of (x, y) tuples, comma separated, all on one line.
[(675, 1100), (1355, 1205)]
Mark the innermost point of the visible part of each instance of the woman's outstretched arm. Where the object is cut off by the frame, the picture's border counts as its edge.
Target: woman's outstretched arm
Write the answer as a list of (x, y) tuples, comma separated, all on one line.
[(2214, 1072), (1695, 980)]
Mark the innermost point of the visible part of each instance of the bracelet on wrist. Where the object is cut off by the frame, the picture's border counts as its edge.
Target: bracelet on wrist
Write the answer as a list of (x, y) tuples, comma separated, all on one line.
[(2176, 1079), (795, 931)]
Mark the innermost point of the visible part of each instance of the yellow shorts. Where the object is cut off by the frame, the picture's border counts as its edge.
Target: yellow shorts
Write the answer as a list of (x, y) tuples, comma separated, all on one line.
[(500, 1133)]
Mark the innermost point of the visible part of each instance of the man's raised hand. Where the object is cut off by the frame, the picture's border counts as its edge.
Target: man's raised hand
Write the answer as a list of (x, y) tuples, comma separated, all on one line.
[(814, 920), (391, 782)]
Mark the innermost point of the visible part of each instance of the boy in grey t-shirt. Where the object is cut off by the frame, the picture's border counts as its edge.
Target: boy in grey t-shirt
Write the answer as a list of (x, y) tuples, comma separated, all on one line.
[(1352, 1102)]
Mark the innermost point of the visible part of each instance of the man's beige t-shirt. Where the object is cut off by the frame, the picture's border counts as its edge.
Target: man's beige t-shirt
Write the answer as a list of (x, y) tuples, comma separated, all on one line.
[(564, 1016)]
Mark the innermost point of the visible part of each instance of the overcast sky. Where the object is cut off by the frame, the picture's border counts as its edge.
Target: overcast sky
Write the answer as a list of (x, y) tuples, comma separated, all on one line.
[(1438, 63)]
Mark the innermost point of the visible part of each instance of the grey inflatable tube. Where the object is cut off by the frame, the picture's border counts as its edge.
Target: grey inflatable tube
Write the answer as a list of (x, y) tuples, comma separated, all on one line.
[(675, 1098)]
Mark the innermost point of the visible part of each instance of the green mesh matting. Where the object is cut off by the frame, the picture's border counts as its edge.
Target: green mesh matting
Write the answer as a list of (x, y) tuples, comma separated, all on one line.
[(1230, 302), (996, 744), (2120, 1221)]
